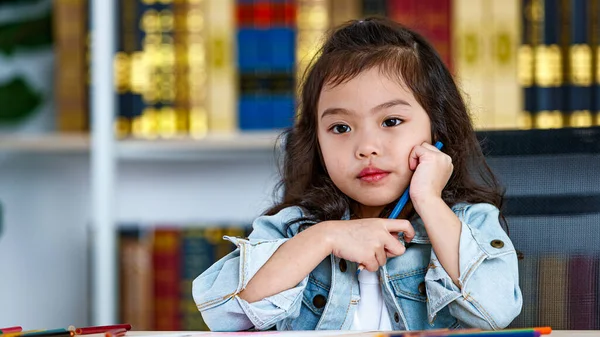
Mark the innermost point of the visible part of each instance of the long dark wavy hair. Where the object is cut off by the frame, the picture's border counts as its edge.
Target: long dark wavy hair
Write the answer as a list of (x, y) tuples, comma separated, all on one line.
[(399, 53)]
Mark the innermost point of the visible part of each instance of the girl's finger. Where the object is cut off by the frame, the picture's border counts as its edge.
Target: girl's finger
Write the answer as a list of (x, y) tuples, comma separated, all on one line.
[(381, 256), (397, 226), (413, 159), (393, 247)]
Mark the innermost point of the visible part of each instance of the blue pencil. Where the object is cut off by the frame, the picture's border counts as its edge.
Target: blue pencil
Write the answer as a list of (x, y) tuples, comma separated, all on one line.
[(404, 198), (459, 333)]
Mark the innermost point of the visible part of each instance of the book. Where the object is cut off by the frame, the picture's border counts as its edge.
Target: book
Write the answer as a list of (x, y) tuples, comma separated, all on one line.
[(221, 86), (506, 94), (553, 281), (577, 46), (129, 100), (472, 72), (548, 65), (191, 59), (198, 254), (341, 11), (136, 305), (526, 64), (594, 13), (582, 271), (70, 28), (166, 262)]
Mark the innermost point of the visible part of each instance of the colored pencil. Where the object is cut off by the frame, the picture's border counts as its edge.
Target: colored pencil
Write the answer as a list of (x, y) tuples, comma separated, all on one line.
[(116, 333), (11, 329), (101, 329)]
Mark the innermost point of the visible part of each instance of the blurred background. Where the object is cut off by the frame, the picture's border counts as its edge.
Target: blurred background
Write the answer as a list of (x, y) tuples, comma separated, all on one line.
[(104, 225)]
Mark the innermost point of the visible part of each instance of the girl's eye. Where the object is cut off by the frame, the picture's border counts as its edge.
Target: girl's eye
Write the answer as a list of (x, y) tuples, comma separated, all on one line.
[(392, 122), (340, 128)]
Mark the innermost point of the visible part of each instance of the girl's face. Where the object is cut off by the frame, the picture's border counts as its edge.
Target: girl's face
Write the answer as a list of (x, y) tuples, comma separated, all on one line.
[(367, 128)]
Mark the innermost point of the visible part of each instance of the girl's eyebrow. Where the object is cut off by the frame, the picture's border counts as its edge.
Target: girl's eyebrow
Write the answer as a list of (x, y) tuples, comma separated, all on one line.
[(385, 105)]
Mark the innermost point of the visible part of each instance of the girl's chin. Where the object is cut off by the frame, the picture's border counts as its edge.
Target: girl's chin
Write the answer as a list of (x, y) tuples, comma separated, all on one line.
[(373, 204)]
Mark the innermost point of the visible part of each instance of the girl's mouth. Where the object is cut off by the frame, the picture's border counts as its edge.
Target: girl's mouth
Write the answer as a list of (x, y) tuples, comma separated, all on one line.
[(372, 174)]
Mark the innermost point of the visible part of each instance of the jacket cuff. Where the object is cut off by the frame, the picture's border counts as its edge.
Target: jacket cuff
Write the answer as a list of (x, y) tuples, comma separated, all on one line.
[(441, 291), (270, 310), (266, 312)]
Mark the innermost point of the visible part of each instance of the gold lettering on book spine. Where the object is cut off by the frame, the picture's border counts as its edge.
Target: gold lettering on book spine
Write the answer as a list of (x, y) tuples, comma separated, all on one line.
[(581, 65)]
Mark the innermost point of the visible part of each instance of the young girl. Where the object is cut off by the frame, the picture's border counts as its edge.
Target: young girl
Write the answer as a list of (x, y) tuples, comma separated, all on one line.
[(374, 100)]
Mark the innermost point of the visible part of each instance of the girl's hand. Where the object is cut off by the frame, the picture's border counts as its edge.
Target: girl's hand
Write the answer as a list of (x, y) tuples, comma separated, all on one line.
[(432, 170), (368, 241)]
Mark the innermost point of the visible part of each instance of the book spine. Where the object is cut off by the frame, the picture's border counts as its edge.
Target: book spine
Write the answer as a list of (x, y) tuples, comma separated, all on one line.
[(166, 260), (341, 11), (247, 58), (71, 30), (283, 37), (506, 104), (404, 12), (222, 117), (578, 69), (436, 26), (198, 254), (192, 61), (526, 65), (469, 59), (165, 71), (129, 104), (583, 286), (135, 274), (313, 22), (553, 283), (594, 20), (548, 65), (374, 8), (145, 69)]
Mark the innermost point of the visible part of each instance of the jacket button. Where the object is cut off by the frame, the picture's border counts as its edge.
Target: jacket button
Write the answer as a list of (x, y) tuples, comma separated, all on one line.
[(497, 243), (396, 317), (319, 301), (343, 265), (422, 288)]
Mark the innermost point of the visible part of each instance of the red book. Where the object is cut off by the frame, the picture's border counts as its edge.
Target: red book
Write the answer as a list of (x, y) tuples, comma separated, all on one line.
[(166, 259), (245, 14)]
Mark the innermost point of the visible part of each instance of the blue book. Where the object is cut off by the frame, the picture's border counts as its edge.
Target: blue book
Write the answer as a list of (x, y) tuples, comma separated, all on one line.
[(526, 62), (548, 66), (578, 84)]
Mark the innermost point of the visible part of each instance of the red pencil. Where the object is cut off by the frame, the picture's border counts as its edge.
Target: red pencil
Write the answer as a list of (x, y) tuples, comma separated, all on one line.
[(11, 329), (115, 333), (101, 329)]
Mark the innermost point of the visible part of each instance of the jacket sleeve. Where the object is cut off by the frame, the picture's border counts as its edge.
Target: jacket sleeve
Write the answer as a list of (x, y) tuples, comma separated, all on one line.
[(489, 297), (216, 290)]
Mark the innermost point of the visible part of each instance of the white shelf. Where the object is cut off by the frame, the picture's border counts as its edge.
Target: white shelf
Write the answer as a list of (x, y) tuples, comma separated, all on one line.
[(213, 146), (46, 143)]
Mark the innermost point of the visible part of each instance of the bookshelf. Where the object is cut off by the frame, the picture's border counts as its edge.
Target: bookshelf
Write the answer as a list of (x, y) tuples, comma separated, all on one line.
[(106, 153), (211, 147), (47, 143)]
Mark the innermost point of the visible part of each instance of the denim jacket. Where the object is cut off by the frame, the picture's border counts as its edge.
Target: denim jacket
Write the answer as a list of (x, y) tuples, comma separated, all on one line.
[(418, 292)]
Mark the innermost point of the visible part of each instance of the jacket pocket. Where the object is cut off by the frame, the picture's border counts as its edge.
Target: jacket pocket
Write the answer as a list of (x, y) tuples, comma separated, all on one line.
[(410, 285), (315, 296)]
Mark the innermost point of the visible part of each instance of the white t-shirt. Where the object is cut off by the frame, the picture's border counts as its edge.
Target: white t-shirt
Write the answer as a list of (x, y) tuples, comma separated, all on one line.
[(371, 313)]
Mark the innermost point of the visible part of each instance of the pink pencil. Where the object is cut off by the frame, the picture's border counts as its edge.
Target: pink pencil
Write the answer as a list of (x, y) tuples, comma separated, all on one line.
[(11, 329)]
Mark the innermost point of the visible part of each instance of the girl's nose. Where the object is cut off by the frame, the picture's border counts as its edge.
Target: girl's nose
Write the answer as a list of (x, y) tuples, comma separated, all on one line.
[(367, 148), (366, 154)]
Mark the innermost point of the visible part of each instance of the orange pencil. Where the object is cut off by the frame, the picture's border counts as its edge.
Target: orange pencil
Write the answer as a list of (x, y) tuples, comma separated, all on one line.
[(115, 333), (11, 329), (19, 333)]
